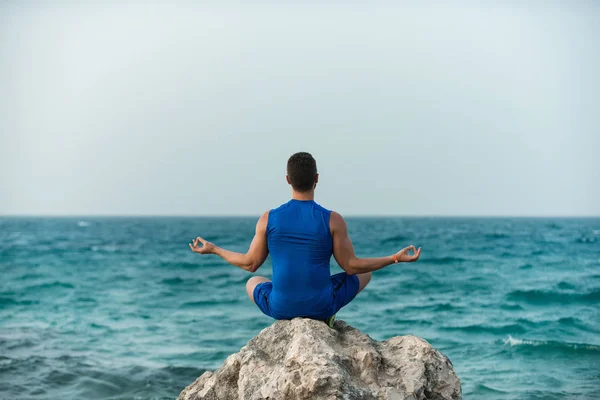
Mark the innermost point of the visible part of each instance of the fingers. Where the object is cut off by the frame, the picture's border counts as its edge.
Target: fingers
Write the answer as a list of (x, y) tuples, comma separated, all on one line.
[(195, 245), (199, 240), (407, 249), (410, 258), (415, 257), (405, 257)]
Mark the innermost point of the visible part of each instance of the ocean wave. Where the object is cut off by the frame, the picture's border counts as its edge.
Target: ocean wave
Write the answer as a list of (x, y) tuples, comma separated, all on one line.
[(29, 276), (393, 239), (560, 323), (526, 266), (422, 308), (109, 248), (190, 265), (122, 278), (445, 307), (173, 281), (577, 323), (496, 235), (95, 325), (553, 226), (176, 281), (511, 307), (9, 301), (208, 303), (412, 321), (445, 260), (500, 329), (487, 390), (84, 299), (586, 240), (536, 296), (550, 345), (566, 322), (562, 285), (83, 224), (51, 285), (219, 275)]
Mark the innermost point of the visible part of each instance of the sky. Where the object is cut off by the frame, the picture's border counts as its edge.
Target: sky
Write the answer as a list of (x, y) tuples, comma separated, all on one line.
[(193, 108)]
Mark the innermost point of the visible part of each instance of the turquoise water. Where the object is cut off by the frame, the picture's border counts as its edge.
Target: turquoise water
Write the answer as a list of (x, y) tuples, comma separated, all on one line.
[(113, 308)]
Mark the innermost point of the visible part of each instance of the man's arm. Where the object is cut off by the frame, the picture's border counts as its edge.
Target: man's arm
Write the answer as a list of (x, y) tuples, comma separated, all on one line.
[(252, 260), (343, 251)]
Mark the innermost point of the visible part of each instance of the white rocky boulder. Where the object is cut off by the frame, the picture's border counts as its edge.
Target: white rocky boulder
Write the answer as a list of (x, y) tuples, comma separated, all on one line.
[(305, 359)]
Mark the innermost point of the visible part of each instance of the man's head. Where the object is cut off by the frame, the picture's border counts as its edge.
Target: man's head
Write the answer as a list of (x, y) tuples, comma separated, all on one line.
[(302, 172)]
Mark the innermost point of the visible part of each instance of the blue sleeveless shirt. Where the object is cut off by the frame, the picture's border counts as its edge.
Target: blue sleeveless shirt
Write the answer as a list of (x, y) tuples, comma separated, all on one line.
[(300, 246)]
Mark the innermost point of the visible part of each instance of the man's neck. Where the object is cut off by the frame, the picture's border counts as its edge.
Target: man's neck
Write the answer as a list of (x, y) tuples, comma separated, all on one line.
[(304, 196)]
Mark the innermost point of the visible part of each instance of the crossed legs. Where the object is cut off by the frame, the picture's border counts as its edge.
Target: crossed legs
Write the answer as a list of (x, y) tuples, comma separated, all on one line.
[(363, 281), (252, 283)]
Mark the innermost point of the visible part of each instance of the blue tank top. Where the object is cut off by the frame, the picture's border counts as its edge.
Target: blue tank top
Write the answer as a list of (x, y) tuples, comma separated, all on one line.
[(300, 246)]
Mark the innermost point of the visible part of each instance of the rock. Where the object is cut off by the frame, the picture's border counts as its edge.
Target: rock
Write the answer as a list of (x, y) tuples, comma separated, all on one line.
[(305, 359)]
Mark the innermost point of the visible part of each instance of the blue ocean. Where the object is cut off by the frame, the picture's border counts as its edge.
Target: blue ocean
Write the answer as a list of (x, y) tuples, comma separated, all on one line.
[(120, 308)]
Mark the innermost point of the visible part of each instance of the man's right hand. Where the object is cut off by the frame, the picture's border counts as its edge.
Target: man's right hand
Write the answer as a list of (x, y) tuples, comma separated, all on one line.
[(206, 248), (403, 255)]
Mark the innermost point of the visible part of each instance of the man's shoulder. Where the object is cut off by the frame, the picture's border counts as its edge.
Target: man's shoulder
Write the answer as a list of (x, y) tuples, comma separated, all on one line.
[(336, 220), (263, 221), (336, 216)]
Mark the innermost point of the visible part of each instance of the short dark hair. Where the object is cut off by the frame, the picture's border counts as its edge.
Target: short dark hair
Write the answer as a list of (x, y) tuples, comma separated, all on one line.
[(302, 171)]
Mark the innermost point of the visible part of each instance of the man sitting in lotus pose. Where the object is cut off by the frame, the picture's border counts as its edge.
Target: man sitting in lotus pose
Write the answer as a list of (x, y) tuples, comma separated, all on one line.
[(301, 236)]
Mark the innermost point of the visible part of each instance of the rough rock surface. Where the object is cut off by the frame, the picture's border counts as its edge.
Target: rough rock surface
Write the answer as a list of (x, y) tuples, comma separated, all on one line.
[(305, 359)]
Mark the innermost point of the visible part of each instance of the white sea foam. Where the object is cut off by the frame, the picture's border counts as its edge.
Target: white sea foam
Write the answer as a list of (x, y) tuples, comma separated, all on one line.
[(83, 224), (557, 346), (511, 341), (109, 248)]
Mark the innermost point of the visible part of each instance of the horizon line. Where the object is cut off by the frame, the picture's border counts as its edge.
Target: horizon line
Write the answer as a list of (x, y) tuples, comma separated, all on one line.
[(257, 215)]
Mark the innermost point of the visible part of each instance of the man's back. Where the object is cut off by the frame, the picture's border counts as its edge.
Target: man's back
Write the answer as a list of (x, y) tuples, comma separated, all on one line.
[(301, 236), (300, 245)]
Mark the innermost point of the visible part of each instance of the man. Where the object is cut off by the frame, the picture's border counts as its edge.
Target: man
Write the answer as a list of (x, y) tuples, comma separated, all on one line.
[(301, 236)]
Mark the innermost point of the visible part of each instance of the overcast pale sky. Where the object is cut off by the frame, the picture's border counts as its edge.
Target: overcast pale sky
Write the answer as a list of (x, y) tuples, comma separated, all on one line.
[(454, 108)]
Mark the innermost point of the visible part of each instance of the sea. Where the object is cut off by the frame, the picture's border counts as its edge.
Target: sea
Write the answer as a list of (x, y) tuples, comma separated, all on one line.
[(120, 308)]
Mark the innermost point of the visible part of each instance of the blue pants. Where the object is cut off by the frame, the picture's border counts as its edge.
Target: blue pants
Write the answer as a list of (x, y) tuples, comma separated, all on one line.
[(345, 288)]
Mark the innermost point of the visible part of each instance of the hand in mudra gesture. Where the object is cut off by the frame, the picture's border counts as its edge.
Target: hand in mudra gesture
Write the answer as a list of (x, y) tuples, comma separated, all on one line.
[(205, 248), (403, 256)]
